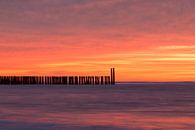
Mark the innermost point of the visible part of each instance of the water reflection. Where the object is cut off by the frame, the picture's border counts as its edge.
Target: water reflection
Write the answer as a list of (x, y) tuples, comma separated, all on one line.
[(137, 107)]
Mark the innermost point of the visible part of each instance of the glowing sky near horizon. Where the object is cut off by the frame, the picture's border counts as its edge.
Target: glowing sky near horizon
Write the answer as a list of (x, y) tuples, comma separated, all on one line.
[(145, 40)]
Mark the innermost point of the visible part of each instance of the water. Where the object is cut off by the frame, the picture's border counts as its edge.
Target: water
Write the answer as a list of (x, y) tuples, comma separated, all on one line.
[(138, 106)]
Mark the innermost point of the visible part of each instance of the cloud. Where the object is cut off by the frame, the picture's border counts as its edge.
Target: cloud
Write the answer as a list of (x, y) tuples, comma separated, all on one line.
[(173, 47), (135, 15), (6, 124)]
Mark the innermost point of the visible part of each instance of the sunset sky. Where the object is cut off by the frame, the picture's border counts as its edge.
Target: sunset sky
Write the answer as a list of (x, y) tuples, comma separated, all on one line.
[(145, 40)]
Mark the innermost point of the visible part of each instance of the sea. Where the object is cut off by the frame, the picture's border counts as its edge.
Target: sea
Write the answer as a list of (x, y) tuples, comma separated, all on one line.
[(124, 106)]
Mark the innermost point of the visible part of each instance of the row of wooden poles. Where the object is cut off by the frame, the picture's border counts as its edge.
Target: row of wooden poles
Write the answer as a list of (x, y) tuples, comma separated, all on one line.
[(59, 80)]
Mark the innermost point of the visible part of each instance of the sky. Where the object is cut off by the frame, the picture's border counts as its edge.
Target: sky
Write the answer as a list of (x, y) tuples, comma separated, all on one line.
[(145, 40)]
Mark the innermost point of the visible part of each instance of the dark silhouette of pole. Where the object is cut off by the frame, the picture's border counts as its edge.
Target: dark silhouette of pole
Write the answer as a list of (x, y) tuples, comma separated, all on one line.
[(113, 75), (65, 80)]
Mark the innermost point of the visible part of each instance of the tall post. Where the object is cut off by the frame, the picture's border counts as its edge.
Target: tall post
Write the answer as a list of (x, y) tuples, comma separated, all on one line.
[(113, 74)]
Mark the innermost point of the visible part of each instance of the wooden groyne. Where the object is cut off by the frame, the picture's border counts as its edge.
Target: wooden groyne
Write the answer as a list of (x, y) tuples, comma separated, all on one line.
[(59, 80)]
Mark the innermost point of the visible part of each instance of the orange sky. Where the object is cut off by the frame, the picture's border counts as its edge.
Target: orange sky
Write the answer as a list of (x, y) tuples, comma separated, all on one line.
[(144, 40)]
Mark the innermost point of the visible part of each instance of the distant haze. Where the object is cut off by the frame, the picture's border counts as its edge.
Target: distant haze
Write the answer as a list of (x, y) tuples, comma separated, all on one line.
[(145, 40)]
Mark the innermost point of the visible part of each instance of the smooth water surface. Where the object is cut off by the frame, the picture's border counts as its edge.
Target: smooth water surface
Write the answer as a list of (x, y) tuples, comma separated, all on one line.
[(138, 106)]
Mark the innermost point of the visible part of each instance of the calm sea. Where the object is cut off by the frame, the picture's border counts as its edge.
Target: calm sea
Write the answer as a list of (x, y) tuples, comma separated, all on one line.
[(135, 106)]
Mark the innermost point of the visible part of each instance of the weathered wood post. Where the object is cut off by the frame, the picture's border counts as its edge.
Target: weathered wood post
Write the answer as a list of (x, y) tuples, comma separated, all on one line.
[(102, 80)]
